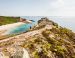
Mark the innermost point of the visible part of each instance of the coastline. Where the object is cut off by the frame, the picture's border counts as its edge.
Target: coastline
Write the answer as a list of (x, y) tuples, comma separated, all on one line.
[(5, 28)]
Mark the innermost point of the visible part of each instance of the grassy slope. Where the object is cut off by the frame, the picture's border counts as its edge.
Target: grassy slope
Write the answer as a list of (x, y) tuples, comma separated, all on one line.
[(7, 20), (54, 43), (57, 42)]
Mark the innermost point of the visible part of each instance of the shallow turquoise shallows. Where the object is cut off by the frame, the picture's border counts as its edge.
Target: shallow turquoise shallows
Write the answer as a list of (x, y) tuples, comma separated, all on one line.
[(62, 21), (22, 28)]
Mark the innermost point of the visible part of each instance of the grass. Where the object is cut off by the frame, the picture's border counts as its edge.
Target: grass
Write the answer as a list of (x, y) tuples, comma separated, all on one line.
[(8, 20)]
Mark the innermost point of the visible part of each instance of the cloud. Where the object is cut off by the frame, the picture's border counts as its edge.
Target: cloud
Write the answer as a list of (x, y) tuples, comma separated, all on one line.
[(38, 8), (61, 8), (57, 4)]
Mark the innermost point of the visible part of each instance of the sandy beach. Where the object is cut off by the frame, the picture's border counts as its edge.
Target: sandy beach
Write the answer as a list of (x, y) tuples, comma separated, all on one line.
[(7, 27)]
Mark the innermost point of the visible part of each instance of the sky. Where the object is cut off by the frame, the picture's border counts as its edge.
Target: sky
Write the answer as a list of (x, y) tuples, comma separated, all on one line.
[(37, 7), (67, 22), (56, 8)]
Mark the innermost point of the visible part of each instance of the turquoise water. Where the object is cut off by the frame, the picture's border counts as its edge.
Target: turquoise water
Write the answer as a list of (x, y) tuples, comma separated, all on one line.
[(22, 28), (62, 21)]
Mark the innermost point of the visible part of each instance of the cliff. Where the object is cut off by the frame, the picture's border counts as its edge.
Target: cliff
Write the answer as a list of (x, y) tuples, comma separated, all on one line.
[(46, 40), (54, 42)]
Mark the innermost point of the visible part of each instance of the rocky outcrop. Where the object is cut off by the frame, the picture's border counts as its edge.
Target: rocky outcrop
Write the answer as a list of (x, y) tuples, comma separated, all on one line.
[(55, 42), (25, 20), (14, 52), (46, 40), (46, 21)]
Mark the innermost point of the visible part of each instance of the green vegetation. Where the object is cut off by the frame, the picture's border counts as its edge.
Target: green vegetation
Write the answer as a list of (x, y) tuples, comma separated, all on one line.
[(6, 43), (8, 20), (51, 47), (57, 42)]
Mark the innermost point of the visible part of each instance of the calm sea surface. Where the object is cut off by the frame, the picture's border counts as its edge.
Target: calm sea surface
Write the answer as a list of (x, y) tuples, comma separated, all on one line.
[(68, 22)]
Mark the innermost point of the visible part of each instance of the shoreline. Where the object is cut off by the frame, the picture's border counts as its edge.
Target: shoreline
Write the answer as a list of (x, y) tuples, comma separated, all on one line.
[(5, 28)]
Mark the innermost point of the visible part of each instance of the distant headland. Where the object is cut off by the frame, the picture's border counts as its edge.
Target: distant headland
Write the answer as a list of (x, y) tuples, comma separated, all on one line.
[(12, 19)]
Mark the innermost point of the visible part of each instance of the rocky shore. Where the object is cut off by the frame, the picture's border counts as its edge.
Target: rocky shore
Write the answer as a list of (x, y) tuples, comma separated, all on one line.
[(45, 40)]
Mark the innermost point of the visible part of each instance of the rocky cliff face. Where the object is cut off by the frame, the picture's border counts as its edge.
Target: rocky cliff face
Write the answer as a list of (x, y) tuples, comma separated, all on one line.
[(50, 41), (56, 42), (46, 21)]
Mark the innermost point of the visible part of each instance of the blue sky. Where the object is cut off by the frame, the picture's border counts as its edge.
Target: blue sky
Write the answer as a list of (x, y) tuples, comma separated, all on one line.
[(63, 8), (23, 7), (37, 7)]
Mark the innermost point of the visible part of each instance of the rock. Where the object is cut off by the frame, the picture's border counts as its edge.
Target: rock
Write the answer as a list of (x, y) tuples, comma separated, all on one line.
[(49, 41), (25, 54), (14, 52), (4, 55), (44, 21)]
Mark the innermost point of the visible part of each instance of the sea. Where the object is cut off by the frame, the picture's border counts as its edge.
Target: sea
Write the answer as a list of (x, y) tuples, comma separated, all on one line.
[(67, 22)]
